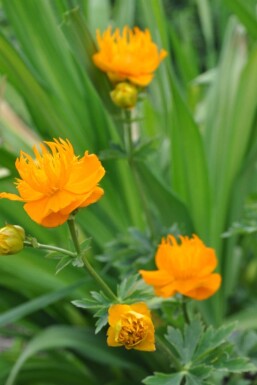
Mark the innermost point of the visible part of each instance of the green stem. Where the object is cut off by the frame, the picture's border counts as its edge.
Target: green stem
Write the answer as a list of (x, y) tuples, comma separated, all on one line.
[(98, 279), (184, 310), (89, 268), (128, 142), (73, 233), (51, 248), (175, 362)]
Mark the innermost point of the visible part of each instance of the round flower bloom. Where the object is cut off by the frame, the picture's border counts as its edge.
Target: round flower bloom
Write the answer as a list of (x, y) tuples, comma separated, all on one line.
[(11, 239), (185, 268), (130, 55), (131, 326), (56, 182)]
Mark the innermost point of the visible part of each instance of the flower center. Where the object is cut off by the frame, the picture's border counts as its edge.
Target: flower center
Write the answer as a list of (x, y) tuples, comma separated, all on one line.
[(133, 330)]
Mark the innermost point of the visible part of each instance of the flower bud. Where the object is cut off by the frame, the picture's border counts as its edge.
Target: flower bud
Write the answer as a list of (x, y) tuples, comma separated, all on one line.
[(11, 239), (124, 95)]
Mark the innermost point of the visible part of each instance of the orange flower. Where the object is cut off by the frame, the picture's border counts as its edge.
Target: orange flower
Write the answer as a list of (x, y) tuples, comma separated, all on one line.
[(131, 326), (184, 268), (128, 55), (56, 182)]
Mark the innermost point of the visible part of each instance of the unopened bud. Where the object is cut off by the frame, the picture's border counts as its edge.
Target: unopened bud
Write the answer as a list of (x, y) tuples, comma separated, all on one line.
[(125, 95), (11, 239)]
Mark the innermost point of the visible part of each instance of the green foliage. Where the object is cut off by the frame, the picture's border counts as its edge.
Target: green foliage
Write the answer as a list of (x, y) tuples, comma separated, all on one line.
[(201, 353)]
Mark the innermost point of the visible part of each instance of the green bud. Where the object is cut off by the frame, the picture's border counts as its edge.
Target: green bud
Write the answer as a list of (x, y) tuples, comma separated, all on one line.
[(125, 95), (11, 239)]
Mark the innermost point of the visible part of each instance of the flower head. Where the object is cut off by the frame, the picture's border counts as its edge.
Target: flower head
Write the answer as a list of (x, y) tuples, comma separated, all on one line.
[(11, 239), (185, 268), (130, 55), (131, 326), (56, 182)]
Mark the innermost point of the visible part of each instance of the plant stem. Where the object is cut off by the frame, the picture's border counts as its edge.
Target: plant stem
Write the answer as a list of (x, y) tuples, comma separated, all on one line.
[(175, 362), (128, 142), (184, 310), (51, 248), (87, 265), (73, 233), (98, 279)]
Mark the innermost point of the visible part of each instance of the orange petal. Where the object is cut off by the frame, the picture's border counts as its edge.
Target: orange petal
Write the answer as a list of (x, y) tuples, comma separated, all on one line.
[(111, 337), (115, 313), (12, 197), (145, 345), (156, 277), (27, 192), (166, 291), (141, 80), (96, 194), (36, 212), (54, 220), (86, 175), (202, 288), (141, 308)]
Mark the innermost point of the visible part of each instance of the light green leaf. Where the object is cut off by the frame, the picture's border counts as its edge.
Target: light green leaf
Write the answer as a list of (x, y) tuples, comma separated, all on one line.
[(240, 8), (164, 379)]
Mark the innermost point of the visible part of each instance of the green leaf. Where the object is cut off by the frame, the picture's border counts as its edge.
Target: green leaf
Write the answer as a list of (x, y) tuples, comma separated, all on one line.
[(36, 304), (193, 380), (185, 344), (164, 379), (64, 261), (175, 338), (193, 332), (101, 322), (186, 174), (168, 205), (211, 339), (132, 289), (237, 365), (58, 337), (240, 8)]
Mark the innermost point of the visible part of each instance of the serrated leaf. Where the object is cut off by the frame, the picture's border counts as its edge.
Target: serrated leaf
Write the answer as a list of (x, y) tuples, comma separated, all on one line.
[(86, 303), (85, 245), (237, 365), (100, 297), (193, 380), (213, 338), (175, 338), (101, 322), (201, 371), (54, 255), (164, 379), (193, 332), (64, 261)]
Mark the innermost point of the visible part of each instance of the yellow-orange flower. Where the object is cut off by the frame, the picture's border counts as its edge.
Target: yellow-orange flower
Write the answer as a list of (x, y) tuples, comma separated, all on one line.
[(131, 326), (185, 268), (56, 182), (130, 55)]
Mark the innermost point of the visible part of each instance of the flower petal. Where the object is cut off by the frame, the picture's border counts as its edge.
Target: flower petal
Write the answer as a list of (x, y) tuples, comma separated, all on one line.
[(11, 197), (115, 313), (203, 289)]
